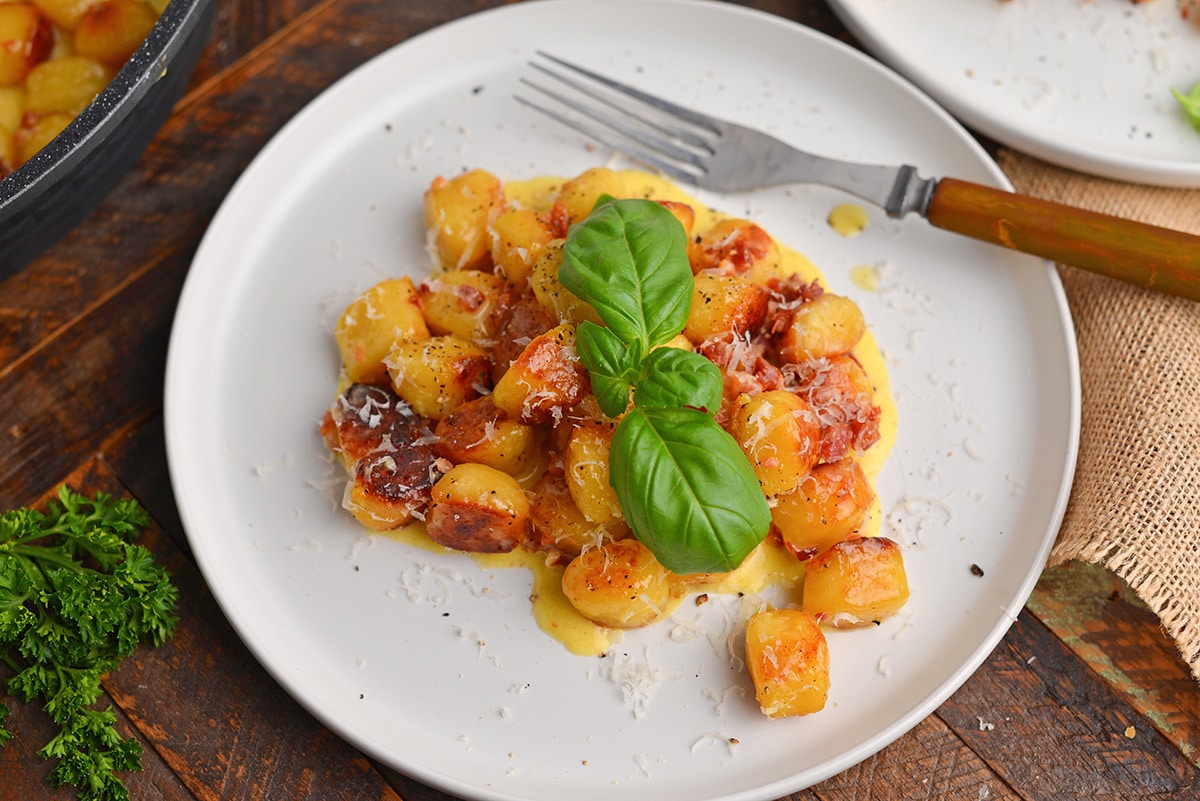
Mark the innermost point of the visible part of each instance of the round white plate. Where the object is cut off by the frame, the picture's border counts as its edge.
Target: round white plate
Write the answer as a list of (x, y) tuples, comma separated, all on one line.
[(436, 667), (1084, 84)]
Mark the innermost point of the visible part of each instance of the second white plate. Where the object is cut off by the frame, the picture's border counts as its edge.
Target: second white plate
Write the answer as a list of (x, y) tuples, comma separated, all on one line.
[(1085, 84), (435, 666)]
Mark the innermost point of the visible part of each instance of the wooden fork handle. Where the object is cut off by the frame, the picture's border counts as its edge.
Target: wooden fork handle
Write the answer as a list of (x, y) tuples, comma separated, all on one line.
[(1149, 256)]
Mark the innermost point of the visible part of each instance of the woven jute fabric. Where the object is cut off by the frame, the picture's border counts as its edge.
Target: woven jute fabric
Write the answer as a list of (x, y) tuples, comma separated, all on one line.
[(1135, 502)]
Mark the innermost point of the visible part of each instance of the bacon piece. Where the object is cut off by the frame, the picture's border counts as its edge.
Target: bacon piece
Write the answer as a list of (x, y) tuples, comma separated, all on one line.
[(388, 450)]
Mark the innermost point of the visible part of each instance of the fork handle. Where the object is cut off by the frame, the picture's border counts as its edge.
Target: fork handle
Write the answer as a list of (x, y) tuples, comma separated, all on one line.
[(1150, 256)]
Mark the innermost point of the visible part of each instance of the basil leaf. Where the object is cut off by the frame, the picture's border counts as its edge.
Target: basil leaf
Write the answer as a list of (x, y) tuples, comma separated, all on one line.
[(610, 365), (687, 490), (674, 377), (628, 259)]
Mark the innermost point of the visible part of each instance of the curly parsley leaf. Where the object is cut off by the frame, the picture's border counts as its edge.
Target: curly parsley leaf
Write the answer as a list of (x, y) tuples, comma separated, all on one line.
[(77, 596)]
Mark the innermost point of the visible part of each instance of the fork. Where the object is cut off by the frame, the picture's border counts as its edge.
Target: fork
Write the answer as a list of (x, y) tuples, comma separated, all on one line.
[(722, 156)]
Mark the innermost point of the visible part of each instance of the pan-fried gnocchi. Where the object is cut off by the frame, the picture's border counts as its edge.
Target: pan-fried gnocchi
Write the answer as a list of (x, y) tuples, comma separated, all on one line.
[(56, 56), (465, 418)]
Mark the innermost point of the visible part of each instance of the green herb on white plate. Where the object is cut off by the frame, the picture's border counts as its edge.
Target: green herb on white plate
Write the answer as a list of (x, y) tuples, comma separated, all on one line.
[(1190, 103)]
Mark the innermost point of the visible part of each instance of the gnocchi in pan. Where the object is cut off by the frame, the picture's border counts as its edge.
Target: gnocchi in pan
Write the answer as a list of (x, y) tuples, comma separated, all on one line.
[(55, 57), (477, 412)]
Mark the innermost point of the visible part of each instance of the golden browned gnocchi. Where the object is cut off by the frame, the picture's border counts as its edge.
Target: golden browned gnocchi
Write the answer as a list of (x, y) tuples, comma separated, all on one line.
[(56, 56), (620, 584), (545, 381), (476, 371), (457, 214), (856, 582), (437, 375), (519, 237), (477, 508), (788, 660), (460, 303), (781, 436), (830, 325), (830, 504), (370, 326), (585, 463), (725, 303), (476, 431)]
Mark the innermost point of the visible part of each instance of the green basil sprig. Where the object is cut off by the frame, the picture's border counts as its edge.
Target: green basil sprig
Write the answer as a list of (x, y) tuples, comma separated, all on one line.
[(684, 485)]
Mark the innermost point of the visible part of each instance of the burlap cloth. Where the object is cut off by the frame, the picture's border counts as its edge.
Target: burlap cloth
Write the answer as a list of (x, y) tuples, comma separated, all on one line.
[(1135, 502)]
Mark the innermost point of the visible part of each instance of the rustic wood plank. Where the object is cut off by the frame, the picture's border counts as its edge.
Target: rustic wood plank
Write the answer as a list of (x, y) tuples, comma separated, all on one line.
[(1040, 718), (1059, 741), (206, 712), (61, 400), (1102, 620), (138, 455), (100, 324), (25, 772), (220, 125), (240, 26), (930, 761), (224, 725)]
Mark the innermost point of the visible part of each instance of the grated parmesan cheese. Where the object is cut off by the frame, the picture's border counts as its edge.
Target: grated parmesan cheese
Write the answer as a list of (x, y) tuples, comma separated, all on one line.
[(638, 681)]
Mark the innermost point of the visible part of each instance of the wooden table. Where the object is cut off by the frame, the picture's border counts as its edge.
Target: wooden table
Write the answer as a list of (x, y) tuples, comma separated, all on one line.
[(1084, 698)]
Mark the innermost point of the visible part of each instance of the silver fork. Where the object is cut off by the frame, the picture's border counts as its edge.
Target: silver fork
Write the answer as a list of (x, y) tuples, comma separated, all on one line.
[(715, 154)]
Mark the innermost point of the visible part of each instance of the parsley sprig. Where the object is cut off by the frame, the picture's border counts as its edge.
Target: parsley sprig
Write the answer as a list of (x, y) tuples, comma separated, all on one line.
[(77, 597)]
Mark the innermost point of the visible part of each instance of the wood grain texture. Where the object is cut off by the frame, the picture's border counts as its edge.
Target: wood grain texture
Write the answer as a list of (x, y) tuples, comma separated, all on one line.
[(221, 723), (23, 771), (1084, 698), (1060, 724), (61, 399), (1097, 616)]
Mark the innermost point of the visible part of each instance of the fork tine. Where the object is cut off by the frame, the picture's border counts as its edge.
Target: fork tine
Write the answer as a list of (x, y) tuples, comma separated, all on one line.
[(622, 101), (676, 111), (629, 148), (655, 143)]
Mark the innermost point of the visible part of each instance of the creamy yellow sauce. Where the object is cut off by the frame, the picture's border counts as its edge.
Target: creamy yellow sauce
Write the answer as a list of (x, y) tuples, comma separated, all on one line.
[(866, 277), (769, 565), (848, 219), (551, 609)]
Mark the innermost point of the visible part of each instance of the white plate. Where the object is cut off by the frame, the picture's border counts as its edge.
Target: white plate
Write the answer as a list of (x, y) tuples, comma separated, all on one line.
[(1085, 84), (457, 686)]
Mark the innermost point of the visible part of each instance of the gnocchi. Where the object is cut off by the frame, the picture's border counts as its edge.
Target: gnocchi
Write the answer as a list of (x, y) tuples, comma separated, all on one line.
[(857, 581), (788, 660), (466, 407), (477, 508), (619, 584)]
